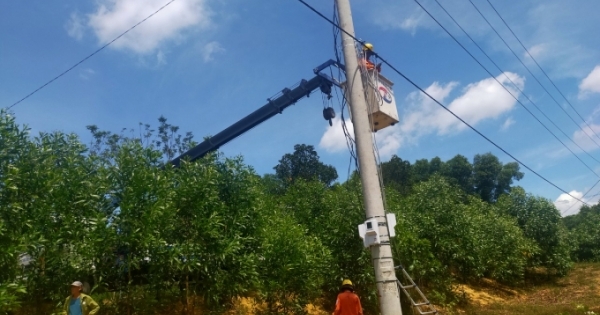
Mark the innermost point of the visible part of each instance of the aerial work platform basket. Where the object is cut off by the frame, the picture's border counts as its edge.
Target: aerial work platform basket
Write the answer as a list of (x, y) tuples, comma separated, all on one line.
[(380, 100)]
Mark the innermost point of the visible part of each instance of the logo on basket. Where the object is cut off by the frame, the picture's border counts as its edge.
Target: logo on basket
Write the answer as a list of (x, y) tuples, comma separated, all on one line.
[(385, 94)]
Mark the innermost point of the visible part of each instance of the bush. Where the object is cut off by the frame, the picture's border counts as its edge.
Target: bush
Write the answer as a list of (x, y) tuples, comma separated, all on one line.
[(459, 233)]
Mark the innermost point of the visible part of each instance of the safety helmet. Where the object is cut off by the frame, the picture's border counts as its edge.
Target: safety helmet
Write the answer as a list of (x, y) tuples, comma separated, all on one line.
[(347, 282), (368, 46)]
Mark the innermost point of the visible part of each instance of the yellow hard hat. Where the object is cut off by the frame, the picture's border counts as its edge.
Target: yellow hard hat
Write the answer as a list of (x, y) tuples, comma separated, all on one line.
[(368, 46), (347, 282)]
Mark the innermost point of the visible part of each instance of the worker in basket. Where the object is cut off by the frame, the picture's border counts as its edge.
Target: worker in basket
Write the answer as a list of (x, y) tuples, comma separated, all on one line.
[(347, 302), (367, 54)]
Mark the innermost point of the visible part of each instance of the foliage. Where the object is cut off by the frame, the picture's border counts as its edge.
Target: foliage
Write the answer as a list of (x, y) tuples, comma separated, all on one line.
[(293, 265), (469, 238), (147, 237), (541, 222), (584, 231), (332, 215), (492, 178), (487, 176), (304, 164), (397, 175)]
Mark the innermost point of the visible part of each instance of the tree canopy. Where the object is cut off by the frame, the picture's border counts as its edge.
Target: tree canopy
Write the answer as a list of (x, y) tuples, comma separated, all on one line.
[(304, 164), (486, 176), (149, 238)]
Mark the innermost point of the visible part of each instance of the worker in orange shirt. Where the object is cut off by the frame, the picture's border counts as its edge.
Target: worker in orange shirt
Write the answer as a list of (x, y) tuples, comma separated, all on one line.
[(367, 54), (347, 302)]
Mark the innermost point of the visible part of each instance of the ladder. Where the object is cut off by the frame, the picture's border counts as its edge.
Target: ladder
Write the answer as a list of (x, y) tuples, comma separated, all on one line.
[(422, 304)]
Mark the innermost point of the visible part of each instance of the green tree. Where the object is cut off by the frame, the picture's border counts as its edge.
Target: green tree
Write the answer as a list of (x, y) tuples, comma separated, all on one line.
[(584, 231), (491, 178), (468, 236), (460, 171), (421, 171), (293, 265), (435, 165), (541, 222), (304, 164), (397, 174), (332, 215)]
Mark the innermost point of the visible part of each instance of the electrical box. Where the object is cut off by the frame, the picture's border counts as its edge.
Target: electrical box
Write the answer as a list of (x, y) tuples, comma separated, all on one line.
[(380, 100), (391, 222), (369, 232)]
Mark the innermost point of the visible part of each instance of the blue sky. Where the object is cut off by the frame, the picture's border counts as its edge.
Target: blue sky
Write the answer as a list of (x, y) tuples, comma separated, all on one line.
[(204, 64)]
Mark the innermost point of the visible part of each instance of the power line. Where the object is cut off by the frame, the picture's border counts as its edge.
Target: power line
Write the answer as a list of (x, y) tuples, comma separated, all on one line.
[(530, 72), (587, 192), (438, 102), (89, 56), (543, 71), (505, 88)]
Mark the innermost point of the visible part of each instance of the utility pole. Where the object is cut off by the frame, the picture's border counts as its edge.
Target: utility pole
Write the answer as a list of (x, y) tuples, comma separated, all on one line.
[(381, 254)]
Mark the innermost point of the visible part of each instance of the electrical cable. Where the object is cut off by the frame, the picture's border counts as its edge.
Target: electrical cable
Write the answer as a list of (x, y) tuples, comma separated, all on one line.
[(531, 73), (587, 192), (505, 88), (89, 56), (543, 71), (439, 103), (499, 69)]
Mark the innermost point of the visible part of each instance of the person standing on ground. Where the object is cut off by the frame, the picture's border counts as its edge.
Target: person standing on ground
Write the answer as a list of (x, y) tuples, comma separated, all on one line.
[(347, 302), (78, 303)]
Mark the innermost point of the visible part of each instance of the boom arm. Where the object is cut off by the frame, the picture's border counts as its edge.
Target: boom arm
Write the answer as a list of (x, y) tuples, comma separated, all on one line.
[(275, 106)]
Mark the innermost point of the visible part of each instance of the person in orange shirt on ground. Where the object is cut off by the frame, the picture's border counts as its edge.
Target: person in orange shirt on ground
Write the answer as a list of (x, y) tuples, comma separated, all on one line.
[(347, 302)]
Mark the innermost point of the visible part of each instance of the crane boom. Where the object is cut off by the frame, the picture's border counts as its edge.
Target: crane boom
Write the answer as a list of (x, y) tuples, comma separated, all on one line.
[(274, 106)]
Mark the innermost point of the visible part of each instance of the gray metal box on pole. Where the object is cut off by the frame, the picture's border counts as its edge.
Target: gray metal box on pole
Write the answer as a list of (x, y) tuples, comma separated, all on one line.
[(385, 276)]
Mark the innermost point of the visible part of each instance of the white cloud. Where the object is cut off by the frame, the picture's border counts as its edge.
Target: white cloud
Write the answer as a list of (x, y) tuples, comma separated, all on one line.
[(507, 123), (584, 137), (591, 83), (482, 100), (113, 17), (478, 102), (75, 27), (334, 140), (536, 51), (161, 59), (86, 73), (567, 205), (210, 49)]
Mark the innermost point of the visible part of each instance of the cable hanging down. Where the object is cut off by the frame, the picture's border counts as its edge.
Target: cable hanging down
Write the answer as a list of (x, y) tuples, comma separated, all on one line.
[(383, 60)]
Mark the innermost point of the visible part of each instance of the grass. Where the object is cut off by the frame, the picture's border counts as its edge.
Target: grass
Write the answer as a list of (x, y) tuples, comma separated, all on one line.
[(577, 293)]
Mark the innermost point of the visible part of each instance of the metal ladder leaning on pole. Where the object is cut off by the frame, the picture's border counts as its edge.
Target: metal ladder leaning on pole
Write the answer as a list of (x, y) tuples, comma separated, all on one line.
[(422, 305)]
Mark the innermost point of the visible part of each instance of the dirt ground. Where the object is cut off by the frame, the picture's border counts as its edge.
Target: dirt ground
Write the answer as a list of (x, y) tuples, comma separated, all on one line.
[(577, 293)]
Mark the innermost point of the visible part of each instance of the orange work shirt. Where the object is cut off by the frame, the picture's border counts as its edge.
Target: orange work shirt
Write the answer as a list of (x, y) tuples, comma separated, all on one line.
[(347, 303)]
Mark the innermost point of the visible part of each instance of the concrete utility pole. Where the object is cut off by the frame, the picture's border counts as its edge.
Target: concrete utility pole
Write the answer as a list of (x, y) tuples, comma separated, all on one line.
[(385, 276)]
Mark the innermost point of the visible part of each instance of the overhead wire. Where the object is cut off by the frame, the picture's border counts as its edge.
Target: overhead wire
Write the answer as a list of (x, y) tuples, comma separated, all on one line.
[(501, 70), (513, 83), (542, 69), (532, 74), (411, 82), (587, 192), (89, 56)]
